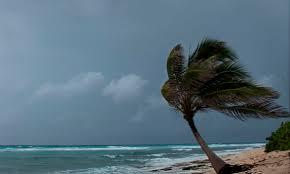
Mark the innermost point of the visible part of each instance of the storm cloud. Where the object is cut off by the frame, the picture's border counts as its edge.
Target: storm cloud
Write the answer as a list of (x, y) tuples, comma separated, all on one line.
[(90, 72)]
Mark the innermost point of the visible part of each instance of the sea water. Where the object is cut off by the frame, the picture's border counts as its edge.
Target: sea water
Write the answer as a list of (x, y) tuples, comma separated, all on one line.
[(123, 159)]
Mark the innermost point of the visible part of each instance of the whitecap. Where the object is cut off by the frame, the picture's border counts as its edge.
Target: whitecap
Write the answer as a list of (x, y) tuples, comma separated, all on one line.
[(156, 154), (105, 170), (110, 156), (108, 148)]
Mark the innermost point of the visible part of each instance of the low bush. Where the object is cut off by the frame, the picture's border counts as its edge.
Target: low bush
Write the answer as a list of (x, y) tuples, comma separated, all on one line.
[(280, 139)]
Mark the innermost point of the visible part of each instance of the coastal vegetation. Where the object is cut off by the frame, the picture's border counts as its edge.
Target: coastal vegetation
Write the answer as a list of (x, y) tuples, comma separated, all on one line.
[(280, 139), (212, 79)]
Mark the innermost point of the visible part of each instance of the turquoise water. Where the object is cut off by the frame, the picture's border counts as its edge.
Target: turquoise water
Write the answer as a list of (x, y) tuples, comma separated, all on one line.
[(102, 159)]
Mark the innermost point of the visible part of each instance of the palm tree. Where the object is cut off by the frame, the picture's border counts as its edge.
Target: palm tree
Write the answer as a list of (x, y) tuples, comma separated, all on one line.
[(212, 79)]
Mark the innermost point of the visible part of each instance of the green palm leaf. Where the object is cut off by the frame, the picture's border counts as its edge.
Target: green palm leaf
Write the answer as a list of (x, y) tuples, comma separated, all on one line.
[(214, 78), (211, 48), (265, 109), (175, 63)]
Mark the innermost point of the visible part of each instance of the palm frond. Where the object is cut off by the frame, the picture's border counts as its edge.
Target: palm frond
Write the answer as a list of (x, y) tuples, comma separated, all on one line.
[(265, 109), (237, 96), (232, 83), (192, 78), (214, 80), (232, 69), (227, 72), (175, 63), (229, 92), (209, 48), (169, 92)]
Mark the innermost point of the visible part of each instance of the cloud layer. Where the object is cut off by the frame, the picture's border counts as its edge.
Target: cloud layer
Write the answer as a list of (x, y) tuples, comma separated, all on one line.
[(125, 88), (77, 84)]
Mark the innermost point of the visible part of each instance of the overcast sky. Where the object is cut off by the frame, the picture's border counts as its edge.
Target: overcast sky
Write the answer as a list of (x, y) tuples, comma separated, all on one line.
[(90, 72)]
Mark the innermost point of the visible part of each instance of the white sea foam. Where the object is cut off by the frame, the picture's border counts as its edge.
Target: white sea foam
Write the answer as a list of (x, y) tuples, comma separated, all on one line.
[(157, 154), (165, 162), (105, 170), (183, 149), (126, 148), (237, 145), (117, 148), (108, 148), (190, 147), (110, 156)]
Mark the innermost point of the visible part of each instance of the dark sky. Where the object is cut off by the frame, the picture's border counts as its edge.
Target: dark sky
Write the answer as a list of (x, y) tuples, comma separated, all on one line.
[(90, 72)]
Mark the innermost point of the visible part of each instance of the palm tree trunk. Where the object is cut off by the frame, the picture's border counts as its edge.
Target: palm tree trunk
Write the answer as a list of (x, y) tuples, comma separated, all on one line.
[(217, 163)]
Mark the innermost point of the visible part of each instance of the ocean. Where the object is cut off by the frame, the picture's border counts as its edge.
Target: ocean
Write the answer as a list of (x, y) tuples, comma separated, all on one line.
[(122, 159)]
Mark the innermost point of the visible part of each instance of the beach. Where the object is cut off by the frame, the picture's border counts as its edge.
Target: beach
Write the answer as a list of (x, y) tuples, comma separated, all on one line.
[(276, 162)]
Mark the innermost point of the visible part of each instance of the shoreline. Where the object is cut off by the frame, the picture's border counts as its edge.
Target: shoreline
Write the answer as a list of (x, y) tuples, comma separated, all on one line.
[(276, 162)]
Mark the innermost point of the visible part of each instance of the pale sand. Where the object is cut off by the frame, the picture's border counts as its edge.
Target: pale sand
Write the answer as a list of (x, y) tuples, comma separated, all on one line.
[(277, 162)]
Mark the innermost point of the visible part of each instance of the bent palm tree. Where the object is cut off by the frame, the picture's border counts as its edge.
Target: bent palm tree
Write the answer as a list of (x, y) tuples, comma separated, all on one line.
[(213, 79)]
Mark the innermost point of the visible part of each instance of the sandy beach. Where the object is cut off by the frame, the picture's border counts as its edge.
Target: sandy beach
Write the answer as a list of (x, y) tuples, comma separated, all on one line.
[(277, 162)]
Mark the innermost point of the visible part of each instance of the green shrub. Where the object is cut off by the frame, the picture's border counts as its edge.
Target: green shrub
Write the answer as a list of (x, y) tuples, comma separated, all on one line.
[(280, 139)]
